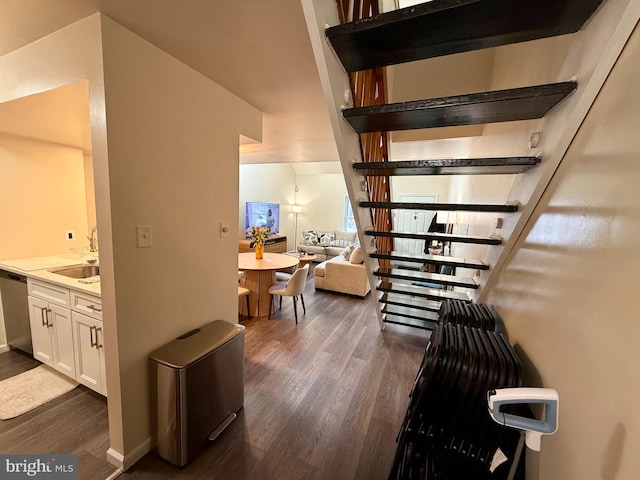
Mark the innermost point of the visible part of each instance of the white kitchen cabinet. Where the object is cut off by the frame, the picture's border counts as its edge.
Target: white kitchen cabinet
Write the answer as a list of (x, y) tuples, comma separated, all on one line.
[(40, 333), (48, 292), (66, 332), (89, 341), (52, 335), (89, 352)]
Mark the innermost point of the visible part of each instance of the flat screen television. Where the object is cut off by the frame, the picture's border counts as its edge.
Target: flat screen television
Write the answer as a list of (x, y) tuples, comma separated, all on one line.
[(261, 214)]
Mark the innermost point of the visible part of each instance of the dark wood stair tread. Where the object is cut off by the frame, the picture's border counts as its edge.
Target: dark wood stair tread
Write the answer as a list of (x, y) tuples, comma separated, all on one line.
[(444, 27), (425, 277), (409, 322), (443, 207), (445, 237), (426, 258), (430, 293), (523, 103), (416, 303), (408, 312), (448, 166)]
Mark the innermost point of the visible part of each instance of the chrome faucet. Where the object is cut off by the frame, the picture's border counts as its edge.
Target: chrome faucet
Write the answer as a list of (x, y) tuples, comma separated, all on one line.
[(93, 241)]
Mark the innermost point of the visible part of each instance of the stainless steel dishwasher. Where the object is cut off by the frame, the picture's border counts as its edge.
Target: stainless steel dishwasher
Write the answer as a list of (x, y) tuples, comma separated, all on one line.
[(15, 309)]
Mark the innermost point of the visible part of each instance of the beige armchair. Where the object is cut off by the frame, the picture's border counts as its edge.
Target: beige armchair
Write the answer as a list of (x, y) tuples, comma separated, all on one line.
[(340, 275)]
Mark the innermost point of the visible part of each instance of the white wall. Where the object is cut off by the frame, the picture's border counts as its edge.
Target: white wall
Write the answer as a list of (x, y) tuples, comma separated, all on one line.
[(467, 72), (531, 63), (42, 196), (321, 196), (59, 115), (270, 183), (322, 200), (90, 193), (437, 184), (173, 139), (173, 164), (74, 54), (567, 293)]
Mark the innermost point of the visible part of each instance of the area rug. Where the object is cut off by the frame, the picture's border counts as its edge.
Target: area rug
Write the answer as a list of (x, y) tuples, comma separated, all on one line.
[(30, 389)]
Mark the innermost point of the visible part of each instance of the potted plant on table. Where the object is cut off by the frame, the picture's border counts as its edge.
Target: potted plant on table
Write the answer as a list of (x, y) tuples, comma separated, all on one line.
[(258, 235)]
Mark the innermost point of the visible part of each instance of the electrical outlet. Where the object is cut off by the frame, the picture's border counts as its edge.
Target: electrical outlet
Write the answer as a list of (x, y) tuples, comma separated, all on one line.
[(69, 235), (144, 236)]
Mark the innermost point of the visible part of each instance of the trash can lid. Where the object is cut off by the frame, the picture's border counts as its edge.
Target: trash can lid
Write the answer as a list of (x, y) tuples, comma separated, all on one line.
[(193, 345)]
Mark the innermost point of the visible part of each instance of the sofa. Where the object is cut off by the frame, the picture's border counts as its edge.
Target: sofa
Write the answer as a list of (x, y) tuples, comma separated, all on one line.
[(343, 273), (325, 244)]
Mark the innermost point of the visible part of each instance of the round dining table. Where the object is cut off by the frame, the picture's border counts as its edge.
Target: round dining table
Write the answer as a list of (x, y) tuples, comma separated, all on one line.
[(260, 275)]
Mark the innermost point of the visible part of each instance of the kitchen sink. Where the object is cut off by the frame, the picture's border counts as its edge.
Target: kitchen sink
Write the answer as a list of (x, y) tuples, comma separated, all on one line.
[(77, 271)]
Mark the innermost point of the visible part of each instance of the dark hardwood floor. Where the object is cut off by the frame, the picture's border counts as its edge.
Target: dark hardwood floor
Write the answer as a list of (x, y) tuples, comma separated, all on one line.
[(324, 399), (74, 423)]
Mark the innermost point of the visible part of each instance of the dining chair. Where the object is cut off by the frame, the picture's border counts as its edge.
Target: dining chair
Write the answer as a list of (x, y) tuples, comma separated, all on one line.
[(293, 288), (244, 292), (283, 276)]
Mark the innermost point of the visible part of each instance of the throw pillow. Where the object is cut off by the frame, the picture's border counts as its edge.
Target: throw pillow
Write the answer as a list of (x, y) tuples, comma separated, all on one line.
[(310, 237), (327, 239), (346, 253), (357, 256), (342, 239)]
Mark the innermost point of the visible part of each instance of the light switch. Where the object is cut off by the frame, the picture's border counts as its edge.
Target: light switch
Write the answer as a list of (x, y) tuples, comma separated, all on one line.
[(144, 236), (224, 229)]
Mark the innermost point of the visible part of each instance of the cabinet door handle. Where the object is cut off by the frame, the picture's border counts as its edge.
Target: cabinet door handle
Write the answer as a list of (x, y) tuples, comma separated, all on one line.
[(42, 316), (47, 312), (94, 343), (94, 308), (98, 329)]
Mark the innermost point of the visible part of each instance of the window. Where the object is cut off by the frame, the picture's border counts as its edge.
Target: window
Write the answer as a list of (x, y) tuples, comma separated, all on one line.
[(348, 222)]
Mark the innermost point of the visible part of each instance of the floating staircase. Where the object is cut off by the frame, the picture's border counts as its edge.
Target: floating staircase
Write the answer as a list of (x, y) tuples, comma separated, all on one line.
[(477, 108), (444, 237), (417, 292), (449, 166), (407, 295), (444, 27), (426, 259), (418, 277), (448, 207)]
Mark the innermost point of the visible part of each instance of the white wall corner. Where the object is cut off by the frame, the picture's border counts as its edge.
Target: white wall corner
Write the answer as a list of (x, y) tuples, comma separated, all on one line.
[(116, 459), (125, 462)]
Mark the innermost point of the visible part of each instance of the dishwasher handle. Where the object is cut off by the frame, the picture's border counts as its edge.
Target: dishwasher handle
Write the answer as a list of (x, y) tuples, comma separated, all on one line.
[(13, 276)]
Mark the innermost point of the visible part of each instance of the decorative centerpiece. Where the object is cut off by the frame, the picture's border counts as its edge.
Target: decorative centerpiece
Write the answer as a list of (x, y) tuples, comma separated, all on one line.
[(258, 235)]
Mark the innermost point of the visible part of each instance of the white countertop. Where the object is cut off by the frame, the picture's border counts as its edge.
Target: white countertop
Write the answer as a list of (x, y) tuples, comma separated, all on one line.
[(37, 268)]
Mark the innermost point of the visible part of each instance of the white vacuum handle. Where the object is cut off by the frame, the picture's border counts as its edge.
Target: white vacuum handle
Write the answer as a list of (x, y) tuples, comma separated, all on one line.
[(534, 428)]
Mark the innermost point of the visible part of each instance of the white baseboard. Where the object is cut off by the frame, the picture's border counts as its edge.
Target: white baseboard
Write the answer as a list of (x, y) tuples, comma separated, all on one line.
[(4, 348), (125, 463), (115, 459), (115, 474)]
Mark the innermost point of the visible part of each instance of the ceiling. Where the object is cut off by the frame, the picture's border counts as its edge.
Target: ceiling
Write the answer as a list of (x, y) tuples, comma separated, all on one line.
[(258, 50)]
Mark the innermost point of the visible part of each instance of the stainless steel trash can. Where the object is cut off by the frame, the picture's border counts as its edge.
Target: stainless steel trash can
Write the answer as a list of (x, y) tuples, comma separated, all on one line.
[(200, 388)]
